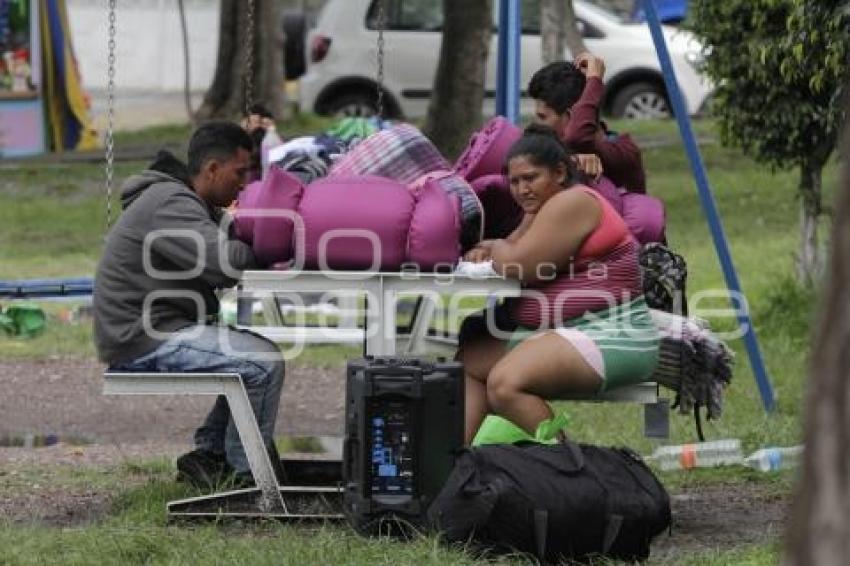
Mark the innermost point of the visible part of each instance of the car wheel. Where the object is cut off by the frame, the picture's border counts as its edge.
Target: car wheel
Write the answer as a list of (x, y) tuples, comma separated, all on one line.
[(352, 105), (641, 101)]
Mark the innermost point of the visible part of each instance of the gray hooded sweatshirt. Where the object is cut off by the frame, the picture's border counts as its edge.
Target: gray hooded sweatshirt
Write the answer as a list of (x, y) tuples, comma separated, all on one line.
[(185, 266)]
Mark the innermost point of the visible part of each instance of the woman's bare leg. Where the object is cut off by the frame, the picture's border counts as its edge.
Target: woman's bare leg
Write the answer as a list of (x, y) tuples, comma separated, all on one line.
[(478, 357), (545, 367)]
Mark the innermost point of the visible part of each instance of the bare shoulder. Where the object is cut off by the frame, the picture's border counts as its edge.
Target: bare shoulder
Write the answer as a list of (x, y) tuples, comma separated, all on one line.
[(573, 203)]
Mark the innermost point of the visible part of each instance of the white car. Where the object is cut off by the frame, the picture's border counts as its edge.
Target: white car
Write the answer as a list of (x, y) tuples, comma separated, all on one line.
[(342, 69)]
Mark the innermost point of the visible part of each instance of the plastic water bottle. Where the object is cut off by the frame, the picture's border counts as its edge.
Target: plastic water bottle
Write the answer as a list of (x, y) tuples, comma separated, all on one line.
[(698, 455), (770, 459)]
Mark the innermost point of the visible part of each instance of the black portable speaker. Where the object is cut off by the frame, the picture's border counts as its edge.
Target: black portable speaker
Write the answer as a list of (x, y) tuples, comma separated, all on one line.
[(404, 422)]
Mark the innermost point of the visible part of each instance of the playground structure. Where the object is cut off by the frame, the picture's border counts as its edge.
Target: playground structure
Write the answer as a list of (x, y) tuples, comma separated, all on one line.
[(508, 101), (42, 103)]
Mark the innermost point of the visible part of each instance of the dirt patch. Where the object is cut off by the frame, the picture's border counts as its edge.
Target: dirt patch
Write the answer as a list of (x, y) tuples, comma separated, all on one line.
[(64, 397), (55, 507), (722, 516), (65, 485)]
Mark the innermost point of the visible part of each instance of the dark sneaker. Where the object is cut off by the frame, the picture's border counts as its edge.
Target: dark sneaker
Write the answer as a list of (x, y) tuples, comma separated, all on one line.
[(203, 469), (244, 480)]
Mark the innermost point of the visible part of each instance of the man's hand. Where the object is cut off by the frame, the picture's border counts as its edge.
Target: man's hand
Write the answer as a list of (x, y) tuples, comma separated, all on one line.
[(589, 164), (591, 65)]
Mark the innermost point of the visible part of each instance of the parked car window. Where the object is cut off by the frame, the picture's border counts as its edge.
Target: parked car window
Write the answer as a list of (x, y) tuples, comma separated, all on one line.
[(408, 15), (530, 18), (332, 85), (427, 15)]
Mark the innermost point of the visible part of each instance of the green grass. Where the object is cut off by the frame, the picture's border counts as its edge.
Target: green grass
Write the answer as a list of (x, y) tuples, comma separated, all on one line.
[(54, 218), (134, 530)]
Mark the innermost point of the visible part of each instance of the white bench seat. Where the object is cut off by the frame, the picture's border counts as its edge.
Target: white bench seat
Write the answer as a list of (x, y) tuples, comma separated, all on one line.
[(228, 384)]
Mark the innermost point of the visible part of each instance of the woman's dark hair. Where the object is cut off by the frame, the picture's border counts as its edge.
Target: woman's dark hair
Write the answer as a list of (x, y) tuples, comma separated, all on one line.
[(542, 147)]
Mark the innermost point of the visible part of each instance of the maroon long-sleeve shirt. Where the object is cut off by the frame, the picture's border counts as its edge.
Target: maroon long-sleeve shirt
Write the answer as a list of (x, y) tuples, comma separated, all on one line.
[(621, 160)]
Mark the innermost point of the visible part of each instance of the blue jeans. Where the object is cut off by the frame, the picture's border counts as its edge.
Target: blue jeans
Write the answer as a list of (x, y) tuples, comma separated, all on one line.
[(223, 350)]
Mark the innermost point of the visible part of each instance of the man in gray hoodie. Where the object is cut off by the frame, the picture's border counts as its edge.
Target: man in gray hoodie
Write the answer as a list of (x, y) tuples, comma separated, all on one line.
[(154, 298)]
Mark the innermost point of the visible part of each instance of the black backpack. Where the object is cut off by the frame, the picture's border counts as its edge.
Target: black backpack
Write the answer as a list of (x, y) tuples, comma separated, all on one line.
[(561, 501), (664, 275)]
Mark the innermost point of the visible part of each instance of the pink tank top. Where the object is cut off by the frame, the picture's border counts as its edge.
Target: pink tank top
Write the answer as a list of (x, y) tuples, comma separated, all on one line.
[(604, 273)]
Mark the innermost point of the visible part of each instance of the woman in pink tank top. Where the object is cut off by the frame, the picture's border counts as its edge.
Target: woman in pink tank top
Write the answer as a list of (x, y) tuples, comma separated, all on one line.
[(581, 325)]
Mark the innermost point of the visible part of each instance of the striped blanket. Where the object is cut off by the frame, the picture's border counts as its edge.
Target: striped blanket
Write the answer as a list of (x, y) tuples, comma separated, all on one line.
[(693, 362), (402, 153)]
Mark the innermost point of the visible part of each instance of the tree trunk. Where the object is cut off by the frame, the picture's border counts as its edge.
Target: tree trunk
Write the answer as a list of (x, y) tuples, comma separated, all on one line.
[(558, 29), (573, 35), (553, 36), (809, 264), (228, 95), (819, 529), (455, 108)]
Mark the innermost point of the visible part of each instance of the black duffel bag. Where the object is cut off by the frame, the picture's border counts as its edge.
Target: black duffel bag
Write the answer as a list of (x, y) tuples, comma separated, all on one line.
[(562, 501)]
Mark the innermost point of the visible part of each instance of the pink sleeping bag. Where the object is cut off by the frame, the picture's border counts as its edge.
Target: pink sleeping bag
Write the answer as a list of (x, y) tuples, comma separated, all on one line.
[(485, 154), (243, 223), (644, 214), (433, 239), (277, 201), (369, 222), (645, 217), (607, 189), (471, 212), (356, 223)]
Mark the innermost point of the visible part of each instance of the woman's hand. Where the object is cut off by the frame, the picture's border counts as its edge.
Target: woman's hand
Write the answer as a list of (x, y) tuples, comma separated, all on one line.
[(589, 164), (483, 251)]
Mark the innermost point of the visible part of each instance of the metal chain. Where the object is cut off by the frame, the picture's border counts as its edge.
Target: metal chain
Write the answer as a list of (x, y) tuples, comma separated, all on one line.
[(248, 74), (110, 113), (382, 21)]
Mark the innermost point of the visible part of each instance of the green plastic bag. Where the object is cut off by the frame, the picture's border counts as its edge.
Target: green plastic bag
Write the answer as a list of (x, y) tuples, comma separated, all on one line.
[(23, 319), (353, 127), (498, 430)]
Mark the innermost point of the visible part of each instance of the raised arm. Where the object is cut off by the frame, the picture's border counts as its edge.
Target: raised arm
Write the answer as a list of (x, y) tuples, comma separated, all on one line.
[(620, 157), (583, 127)]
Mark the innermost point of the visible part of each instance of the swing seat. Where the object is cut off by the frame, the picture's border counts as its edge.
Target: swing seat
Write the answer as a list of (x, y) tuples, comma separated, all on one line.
[(46, 288)]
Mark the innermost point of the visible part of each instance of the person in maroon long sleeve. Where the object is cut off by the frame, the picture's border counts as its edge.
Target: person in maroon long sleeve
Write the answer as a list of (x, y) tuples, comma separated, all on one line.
[(567, 98)]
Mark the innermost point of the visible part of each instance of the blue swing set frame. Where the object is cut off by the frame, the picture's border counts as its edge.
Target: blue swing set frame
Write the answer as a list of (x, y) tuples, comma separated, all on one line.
[(507, 104)]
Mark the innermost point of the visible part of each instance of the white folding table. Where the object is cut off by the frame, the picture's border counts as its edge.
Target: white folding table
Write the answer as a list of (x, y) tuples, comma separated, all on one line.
[(381, 289)]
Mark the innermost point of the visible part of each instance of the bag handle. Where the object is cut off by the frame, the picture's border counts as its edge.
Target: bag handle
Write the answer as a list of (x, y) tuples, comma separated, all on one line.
[(541, 531), (612, 530)]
